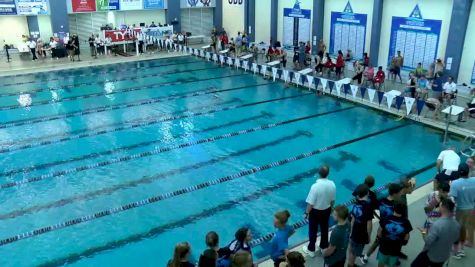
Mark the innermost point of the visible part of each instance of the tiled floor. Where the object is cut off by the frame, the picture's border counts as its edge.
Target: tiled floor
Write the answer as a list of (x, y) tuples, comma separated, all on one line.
[(417, 217)]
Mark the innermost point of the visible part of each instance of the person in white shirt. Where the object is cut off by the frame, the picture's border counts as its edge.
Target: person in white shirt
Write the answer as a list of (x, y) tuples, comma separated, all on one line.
[(320, 201), (168, 43), (448, 162), (32, 45), (52, 46), (450, 88)]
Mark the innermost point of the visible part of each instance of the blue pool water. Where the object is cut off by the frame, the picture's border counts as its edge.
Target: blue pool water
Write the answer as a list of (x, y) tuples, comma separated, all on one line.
[(102, 137)]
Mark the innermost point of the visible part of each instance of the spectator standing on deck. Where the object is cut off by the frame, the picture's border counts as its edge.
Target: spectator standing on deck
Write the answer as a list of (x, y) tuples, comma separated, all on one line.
[(52, 46), (439, 239), (238, 43), (320, 201), (463, 191), (361, 223), (32, 45), (213, 253), (386, 209), (365, 59), (340, 65), (396, 64), (432, 206), (181, 255), (335, 254), (393, 233), (92, 45), (280, 242), (448, 162), (358, 72)]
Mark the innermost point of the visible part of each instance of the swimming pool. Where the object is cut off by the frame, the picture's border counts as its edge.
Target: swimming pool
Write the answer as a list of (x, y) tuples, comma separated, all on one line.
[(124, 161)]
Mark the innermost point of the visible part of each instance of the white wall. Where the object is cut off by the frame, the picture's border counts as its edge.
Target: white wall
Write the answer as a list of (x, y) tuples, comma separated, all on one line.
[(138, 16), (468, 54), (403, 8), (262, 22), (44, 23), (305, 4), (359, 6), (233, 19), (13, 27)]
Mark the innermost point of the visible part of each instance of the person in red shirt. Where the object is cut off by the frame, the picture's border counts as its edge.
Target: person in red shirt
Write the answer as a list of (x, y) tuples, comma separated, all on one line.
[(327, 63), (224, 40), (365, 59), (270, 53), (340, 64), (379, 78)]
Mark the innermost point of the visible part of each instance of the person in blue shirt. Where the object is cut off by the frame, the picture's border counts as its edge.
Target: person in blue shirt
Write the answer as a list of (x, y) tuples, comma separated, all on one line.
[(361, 223), (280, 242), (463, 191)]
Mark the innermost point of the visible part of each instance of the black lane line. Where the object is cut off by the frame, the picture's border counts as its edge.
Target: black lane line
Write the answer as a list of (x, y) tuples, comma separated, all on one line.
[(152, 233), (118, 91), (80, 75), (183, 191), (126, 148), (110, 190), (128, 104), (144, 122), (162, 150)]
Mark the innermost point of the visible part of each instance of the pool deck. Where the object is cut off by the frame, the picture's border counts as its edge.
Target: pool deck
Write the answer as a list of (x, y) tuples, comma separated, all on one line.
[(18, 66), (417, 217)]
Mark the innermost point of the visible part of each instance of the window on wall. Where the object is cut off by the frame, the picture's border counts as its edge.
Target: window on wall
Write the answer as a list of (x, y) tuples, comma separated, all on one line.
[(84, 24), (198, 21)]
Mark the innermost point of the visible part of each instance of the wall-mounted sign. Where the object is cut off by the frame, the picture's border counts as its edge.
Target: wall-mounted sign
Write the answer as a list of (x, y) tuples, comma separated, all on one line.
[(348, 32), (131, 4), (416, 38), (154, 4), (83, 5), (473, 74), (7, 7), (234, 2), (297, 26), (197, 3), (107, 5), (32, 7)]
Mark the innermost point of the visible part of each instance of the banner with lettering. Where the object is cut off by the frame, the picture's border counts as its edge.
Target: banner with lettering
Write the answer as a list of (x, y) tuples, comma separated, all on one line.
[(121, 35), (7, 7), (107, 5), (83, 5), (32, 7), (131, 4), (157, 32)]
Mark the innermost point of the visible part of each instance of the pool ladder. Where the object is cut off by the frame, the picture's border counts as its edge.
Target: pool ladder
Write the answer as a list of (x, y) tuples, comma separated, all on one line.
[(468, 149)]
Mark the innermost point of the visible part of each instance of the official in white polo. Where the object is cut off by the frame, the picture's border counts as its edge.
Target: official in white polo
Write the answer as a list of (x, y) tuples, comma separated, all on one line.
[(320, 201)]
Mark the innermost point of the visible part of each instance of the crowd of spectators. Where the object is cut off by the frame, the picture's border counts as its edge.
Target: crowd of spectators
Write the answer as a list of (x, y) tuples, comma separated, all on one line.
[(448, 228)]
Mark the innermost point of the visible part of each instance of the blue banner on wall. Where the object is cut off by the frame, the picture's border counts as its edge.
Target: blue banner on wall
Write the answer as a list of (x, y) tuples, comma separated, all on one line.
[(416, 38), (348, 32), (153, 4), (7, 7), (297, 26)]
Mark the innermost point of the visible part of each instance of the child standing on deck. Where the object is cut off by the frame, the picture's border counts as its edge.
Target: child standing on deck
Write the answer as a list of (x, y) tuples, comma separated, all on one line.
[(280, 242)]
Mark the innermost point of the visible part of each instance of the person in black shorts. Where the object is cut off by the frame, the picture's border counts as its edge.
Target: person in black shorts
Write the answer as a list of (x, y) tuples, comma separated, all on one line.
[(361, 223), (335, 254), (386, 209)]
